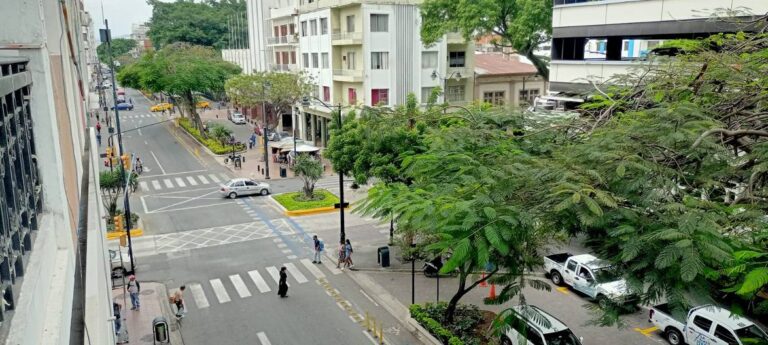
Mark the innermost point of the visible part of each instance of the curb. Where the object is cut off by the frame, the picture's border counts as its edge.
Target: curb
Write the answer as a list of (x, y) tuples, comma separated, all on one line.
[(310, 211), (427, 337), (168, 314), (113, 235)]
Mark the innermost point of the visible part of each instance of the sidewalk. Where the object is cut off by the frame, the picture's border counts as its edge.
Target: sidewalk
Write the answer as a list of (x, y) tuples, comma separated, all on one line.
[(154, 303)]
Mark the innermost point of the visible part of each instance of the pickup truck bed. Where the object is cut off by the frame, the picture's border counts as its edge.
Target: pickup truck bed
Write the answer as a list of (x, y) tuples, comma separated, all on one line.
[(559, 258)]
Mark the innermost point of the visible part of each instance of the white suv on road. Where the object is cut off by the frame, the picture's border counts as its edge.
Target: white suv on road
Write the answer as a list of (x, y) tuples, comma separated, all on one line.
[(237, 118), (534, 326), (243, 186)]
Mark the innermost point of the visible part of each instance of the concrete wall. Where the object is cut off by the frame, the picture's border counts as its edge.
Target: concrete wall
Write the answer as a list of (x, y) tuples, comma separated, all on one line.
[(585, 71), (510, 85)]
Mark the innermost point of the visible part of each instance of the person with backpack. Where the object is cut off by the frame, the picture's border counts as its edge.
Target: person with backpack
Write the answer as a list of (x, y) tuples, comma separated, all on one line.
[(134, 289), (319, 247)]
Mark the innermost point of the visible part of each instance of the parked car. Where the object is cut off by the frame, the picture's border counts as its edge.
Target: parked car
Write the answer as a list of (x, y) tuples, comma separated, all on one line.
[(706, 325), (120, 99), (203, 104), (537, 327), (161, 107), (589, 275), (124, 106), (237, 118), (120, 92), (118, 263), (243, 186)]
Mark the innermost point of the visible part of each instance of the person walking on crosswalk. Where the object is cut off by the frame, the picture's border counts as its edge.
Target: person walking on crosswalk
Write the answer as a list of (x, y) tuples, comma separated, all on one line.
[(282, 289), (319, 246)]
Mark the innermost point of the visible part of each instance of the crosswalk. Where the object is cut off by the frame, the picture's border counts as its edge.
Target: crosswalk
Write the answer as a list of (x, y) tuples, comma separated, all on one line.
[(131, 116), (332, 184), (223, 290), (158, 183)]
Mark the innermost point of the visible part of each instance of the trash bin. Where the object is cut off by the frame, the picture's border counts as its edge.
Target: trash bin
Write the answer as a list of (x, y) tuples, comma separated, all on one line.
[(383, 256), (160, 331), (283, 172)]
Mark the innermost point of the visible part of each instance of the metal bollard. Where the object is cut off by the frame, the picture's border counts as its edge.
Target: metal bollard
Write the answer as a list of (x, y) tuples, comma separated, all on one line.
[(381, 333)]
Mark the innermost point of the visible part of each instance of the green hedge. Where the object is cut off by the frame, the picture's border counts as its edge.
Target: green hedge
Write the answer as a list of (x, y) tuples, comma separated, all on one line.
[(290, 202), (210, 143), (419, 314)]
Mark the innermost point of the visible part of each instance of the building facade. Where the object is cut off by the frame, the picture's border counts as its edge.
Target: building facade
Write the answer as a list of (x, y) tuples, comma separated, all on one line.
[(143, 43), (506, 80), (593, 40)]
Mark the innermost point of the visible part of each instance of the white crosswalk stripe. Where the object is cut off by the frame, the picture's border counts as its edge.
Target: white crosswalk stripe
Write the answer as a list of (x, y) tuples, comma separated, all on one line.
[(263, 338), (202, 179), (219, 291), (259, 281), (180, 182), (275, 274), (156, 185), (312, 269), (329, 265), (239, 284), (168, 183), (224, 177), (144, 185), (192, 181), (296, 273), (214, 178), (199, 296)]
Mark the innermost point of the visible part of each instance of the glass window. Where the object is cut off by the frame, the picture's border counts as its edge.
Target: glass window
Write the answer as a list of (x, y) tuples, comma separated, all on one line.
[(426, 92), (352, 95), (323, 26), (293, 58), (250, 183), (428, 60), (752, 335), (379, 22), (292, 28), (528, 96), (725, 335), (313, 27), (584, 273), (304, 28), (350, 60), (380, 97), (564, 337), (455, 93), (315, 60), (571, 265), (324, 58), (305, 58), (494, 97), (702, 322), (534, 337), (326, 93), (351, 23), (380, 60), (456, 59)]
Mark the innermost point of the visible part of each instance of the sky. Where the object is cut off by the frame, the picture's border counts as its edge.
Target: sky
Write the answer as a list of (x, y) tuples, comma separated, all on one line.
[(122, 14)]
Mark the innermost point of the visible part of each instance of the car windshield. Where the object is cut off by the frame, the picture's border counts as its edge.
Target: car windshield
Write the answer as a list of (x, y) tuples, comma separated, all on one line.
[(752, 335), (564, 337), (606, 274)]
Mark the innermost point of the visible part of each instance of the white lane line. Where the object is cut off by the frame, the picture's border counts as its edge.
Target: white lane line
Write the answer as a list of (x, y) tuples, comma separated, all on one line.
[(259, 281), (144, 185), (199, 296), (214, 178), (329, 265), (180, 182), (279, 245), (156, 185), (144, 204), (369, 297), (139, 130), (202, 179), (263, 338), (168, 183), (145, 142), (158, 162), (242, 290), (275, 275), (370, 338), (191, 181), (291, 257), (171, 174), (312, 269), (296, 273), (219, 291), (286, 251)]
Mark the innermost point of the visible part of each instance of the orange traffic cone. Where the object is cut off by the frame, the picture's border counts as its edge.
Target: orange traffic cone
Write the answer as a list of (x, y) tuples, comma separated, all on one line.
[(492, 293), (483, 283)]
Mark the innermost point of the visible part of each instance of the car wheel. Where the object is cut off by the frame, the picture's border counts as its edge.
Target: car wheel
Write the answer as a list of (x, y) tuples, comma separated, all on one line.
[(232, 195), (505, 341), (602, 301), (674, 336), (556, 278), (264, 192)]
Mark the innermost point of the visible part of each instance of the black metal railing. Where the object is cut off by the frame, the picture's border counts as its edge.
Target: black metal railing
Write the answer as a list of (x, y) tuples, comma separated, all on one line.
[(20, 202)]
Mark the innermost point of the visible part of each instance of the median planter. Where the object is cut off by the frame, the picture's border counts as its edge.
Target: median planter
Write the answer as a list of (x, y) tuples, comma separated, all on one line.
[(295, 205), (211, 144), (468, 328)]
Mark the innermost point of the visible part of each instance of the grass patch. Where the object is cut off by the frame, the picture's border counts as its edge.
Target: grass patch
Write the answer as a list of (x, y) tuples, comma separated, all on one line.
[(293, 202), (212, 144)]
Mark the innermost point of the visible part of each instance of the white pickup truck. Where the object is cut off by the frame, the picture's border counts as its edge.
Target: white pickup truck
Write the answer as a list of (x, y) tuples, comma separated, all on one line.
[(589, 275), (706, 325)]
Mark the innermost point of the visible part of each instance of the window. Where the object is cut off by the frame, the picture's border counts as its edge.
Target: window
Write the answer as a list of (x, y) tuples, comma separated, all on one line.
[(304, 28), (350, 60), (277, 31), (292, 28), (426, 92), (571, 266), (305, 58), (313, 27), (284, 30), (703, 323), (528, 96), (379, 96), (534, 337), (250, 183), (277, 58), (494, 97), (725, 335), (380, 60), (284, 58), (351, 23), (293, 58), (455, 93), (456, 59), (324, 57), (379, 22), (429, 60), (326, 93), (323, 26), (352, 95), (584, 273), (315, 63)]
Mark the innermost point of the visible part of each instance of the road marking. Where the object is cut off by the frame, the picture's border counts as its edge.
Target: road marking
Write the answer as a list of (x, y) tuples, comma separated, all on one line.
[(156, 185), (214, 178), (202, 179), (171, 174), (145, 142), (259, 281), (369, 297), (199, 295), (242, 290), (219, 291), (563, 290), (312, 269), (191, 181), (296, 273), (180, 182), (329, 265), (224, 177), (263, 338), (646, 331), (168, 183), (370, 338), (186, 201), (158, 162), (144, 185), (279, 245), (144, 204), (275, 275), (286, 251)]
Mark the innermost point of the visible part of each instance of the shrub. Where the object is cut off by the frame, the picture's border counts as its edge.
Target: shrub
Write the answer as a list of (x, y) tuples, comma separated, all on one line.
[(422, 316), (212, 144), (292, 202)]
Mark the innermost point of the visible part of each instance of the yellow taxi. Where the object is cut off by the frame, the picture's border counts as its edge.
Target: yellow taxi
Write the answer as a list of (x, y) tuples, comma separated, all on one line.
[(203, 104), (161, 107)]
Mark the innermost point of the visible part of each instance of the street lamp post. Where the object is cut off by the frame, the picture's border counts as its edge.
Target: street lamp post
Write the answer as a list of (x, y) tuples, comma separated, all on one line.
[(265, 88)]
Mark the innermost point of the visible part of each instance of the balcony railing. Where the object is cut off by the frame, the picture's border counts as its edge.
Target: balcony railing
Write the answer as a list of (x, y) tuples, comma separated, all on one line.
[(284, 68), (339, 37), (290, 39), (348, 72)]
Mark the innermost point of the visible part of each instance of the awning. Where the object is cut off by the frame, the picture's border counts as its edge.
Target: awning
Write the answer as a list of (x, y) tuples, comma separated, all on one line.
[(302, 148)]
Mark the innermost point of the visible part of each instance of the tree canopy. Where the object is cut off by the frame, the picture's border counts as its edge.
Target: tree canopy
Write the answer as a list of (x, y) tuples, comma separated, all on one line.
[(519, 24), (283, 92), (120, 48), (202, 23)]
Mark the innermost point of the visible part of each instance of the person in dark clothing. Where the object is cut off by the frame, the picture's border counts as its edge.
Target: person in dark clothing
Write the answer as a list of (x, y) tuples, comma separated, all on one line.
[(282, 289), (116, 311)]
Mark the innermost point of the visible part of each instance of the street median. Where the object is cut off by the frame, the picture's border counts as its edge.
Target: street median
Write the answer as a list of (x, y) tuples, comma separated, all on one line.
[(292, 205)]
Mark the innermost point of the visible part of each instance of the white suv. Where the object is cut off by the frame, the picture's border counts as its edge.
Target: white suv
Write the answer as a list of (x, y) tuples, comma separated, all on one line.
[(533, 326), (237, 118), (243, 186)]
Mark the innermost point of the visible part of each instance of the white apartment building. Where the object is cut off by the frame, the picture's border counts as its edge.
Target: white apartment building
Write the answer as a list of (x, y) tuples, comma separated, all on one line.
[(594, 40), (139, 34)]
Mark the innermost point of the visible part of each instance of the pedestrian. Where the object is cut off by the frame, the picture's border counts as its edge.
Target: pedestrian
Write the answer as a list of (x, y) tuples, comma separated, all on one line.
[(134, 289), (348, 255), (116, 311), (130, 100), (252, 140), (341, 255), (138, 167), (98, 126), (319, 247), (178, 300), (282, 289), (98, 138)]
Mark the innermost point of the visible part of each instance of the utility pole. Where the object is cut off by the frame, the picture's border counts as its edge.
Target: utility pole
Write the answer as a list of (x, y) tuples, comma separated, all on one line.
[(342, 233), (265, 87)]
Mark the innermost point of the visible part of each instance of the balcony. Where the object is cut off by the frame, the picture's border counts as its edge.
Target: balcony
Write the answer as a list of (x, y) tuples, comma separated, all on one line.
[(459, 72), (290, 39), (348, 75), (454, 38), (284, 68), (346, 38)]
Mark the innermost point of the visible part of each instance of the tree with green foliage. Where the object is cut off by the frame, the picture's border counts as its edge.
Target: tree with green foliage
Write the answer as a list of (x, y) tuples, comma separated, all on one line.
[(204, 23), (220, 133), (181, 70), (284, 91), (309, 170), (121, 47), (519, 24)]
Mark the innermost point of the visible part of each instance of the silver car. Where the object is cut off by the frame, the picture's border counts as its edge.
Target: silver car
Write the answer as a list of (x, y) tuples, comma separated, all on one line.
[(243, 186)]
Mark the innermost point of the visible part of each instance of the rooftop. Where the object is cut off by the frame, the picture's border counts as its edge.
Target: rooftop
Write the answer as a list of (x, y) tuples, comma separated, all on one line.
[(502, 64)]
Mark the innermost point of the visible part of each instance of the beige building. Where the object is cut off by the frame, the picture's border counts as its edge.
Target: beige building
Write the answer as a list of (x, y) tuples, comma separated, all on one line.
[(505, 80)]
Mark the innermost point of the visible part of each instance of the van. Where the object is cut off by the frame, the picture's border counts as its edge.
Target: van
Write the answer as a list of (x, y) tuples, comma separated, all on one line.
[(534, 326)]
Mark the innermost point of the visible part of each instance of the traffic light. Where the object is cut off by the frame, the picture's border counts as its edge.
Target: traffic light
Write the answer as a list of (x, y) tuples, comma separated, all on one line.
[(119, 224), (126, 161), (109, 151)]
